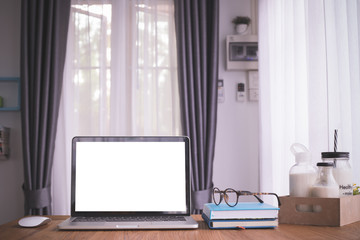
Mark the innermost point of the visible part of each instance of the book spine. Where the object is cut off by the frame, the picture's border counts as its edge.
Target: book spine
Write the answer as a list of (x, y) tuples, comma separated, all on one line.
[(207, 211)]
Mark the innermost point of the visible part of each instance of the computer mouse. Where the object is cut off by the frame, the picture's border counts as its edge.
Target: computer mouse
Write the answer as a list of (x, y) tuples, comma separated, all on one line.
[(33, 221)]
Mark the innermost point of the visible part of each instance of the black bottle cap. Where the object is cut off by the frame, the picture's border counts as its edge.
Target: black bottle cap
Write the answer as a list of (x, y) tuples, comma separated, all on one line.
[(335, 155), (325, 164)]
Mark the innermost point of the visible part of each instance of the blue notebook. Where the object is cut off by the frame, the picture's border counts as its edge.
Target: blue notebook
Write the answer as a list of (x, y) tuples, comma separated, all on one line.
[(240, 223), (243, 210)]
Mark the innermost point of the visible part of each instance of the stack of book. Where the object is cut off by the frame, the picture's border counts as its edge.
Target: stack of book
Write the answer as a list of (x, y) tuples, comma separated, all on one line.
[(243, 215)]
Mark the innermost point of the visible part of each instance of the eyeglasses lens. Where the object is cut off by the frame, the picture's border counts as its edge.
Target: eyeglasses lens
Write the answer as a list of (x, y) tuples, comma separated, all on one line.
[(231, 197), (217, 196)]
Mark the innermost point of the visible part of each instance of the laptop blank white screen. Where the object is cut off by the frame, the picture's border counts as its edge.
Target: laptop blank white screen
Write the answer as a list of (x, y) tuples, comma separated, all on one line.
[(130, 177)]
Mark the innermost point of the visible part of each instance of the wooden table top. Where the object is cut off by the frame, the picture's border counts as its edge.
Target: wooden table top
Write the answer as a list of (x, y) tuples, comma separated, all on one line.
[(11, 230)]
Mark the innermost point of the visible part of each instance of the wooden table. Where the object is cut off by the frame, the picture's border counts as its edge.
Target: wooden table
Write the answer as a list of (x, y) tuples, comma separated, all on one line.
[(285, 231)]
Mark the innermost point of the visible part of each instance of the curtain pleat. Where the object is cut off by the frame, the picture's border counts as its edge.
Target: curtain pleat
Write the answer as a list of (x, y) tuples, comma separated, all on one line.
[(197, 28), (43, 43)]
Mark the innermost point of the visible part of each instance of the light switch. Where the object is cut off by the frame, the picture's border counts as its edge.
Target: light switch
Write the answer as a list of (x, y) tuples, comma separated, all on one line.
[(253, 85), (253, 94), (253, 80)]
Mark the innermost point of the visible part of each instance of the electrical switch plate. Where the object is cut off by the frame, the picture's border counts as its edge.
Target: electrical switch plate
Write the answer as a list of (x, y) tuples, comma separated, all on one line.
[(253, 80), (253, 94), (240, 93), (221, 91)]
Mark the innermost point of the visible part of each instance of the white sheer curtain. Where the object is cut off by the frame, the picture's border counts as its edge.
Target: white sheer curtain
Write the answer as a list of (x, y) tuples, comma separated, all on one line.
[(120, 78), (343, 54), (309, 82)]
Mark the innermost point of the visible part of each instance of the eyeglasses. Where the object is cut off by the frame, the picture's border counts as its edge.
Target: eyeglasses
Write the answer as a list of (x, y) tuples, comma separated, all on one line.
[(230, 193)]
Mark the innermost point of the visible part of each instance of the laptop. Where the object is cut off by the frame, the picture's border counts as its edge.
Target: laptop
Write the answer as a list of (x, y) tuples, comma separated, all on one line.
[(130, 183)]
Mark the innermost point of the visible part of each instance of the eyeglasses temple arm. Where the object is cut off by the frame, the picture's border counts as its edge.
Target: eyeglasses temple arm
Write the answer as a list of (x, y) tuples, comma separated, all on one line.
[(259, 199)]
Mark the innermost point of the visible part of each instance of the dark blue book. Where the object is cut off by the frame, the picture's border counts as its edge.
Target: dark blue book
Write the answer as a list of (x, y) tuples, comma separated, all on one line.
[(243, 210), (240, 223)]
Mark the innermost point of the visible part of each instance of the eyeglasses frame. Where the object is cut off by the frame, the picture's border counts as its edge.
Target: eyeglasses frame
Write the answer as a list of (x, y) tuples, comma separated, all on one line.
[(224, 195)]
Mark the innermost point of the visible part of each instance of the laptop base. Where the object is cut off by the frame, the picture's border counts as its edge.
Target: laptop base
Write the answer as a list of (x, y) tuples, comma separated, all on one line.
[(68, 224)]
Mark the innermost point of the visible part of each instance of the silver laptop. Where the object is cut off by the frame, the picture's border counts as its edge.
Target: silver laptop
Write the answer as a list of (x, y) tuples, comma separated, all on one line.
[(130, 183)]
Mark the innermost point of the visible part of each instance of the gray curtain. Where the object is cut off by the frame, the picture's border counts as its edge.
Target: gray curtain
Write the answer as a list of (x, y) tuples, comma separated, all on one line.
[(44, 26), (197, 30)]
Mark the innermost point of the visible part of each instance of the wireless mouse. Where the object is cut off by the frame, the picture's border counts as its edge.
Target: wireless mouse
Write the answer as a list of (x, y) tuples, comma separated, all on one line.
[(33, 221)]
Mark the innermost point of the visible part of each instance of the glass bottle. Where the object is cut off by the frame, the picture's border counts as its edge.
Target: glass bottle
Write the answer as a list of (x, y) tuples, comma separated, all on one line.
[(302, 175), (342, 171), (325, 185)]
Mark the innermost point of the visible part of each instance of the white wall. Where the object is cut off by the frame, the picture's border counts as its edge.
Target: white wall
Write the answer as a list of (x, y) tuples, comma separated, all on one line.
[(11, 170), (236, 161)]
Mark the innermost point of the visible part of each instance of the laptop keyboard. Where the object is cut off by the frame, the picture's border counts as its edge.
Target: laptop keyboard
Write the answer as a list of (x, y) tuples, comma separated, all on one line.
[(130, 219)]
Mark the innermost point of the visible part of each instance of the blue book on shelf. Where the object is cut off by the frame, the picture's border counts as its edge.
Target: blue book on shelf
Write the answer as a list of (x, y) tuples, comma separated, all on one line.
[(243, 210), (240, 223)]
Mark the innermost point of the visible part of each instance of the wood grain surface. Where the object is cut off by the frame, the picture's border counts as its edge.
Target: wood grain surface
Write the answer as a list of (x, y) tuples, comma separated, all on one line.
[(11, 231)]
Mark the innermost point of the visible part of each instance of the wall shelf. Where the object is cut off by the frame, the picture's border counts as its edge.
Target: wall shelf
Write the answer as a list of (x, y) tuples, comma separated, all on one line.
[(10, 93)]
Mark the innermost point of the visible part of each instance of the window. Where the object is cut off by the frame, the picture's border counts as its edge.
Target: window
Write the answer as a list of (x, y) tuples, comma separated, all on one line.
[(122, 59), (120, 78), (91, 59)]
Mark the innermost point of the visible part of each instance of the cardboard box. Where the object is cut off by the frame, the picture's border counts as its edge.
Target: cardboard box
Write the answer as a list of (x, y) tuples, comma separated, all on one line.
[(334, 211)]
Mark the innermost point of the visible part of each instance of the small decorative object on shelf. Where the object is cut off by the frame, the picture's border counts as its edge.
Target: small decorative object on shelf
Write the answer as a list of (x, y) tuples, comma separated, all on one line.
[(4, 142), (241, 24)]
